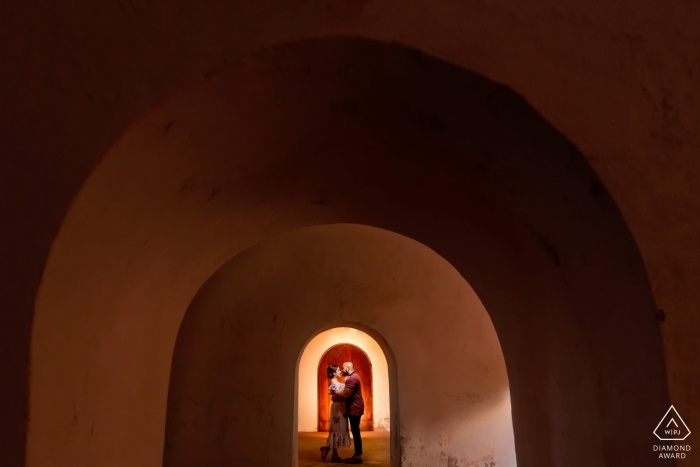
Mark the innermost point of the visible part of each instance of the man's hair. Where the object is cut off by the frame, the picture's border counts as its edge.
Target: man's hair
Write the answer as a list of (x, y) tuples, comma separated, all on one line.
[(331, 371)]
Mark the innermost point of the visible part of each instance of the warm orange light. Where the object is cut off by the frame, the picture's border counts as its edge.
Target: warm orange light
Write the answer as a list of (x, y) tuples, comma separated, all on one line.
[(308, 365)]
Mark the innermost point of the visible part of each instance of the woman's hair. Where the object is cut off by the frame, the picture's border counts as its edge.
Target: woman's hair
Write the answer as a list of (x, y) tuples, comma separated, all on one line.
[(331, 371)]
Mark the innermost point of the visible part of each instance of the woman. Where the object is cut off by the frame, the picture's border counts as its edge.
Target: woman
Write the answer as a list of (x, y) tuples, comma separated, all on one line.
[(338, 436)]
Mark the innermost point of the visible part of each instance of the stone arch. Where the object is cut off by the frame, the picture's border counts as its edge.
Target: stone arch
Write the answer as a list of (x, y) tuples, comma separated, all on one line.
[(345, 130), (449, 390), (392, 371)]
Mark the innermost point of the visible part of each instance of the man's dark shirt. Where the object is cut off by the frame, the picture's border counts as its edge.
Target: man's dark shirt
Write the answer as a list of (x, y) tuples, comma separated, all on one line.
[(355, 403)]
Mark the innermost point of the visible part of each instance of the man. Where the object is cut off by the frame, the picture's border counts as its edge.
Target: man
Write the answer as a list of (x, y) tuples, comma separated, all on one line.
[(356, 408)]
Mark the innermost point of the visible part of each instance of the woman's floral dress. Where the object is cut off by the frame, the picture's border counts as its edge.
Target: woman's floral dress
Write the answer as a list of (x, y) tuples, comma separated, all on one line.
[(338, 437)]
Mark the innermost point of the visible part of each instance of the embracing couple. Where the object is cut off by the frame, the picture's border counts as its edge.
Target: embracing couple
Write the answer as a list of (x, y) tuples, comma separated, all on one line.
[(347, 405)]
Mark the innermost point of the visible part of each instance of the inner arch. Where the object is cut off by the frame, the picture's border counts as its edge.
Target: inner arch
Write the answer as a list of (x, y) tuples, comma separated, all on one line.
[(309, 365)]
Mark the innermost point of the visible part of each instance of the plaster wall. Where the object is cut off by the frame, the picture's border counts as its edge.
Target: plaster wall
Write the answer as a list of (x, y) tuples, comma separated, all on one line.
[(307, 406), (347, 131), (232, 388), (619, 79)]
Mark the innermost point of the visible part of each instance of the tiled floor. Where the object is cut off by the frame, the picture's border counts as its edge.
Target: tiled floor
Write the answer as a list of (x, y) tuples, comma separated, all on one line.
[(375, 447)]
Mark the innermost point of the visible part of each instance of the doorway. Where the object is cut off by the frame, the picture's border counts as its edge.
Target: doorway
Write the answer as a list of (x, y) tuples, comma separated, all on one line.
[(337, 355)]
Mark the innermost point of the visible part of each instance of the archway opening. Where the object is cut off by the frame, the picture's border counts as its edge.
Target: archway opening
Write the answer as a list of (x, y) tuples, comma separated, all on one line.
[(335, 346), (312, 374)]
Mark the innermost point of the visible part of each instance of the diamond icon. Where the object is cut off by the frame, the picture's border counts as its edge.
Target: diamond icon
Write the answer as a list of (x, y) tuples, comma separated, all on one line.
[(672, 427)]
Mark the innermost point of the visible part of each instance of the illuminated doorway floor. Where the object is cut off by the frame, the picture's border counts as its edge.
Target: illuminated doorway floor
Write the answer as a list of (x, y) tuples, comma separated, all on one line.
[(375, 447)]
